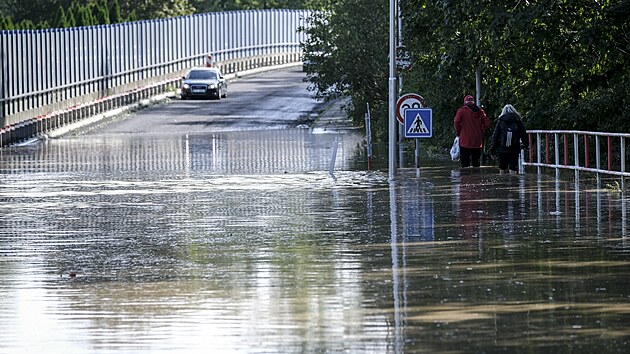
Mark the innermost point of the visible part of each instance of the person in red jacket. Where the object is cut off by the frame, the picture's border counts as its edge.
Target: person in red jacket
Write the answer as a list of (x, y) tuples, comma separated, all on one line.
[(470, 122)]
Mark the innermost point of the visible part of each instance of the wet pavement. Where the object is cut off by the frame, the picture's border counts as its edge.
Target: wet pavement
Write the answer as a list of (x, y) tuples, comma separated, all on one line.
[(242, 242)]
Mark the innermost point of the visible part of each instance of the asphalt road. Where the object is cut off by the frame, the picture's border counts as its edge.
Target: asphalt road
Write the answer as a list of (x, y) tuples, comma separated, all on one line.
[(270, 100)]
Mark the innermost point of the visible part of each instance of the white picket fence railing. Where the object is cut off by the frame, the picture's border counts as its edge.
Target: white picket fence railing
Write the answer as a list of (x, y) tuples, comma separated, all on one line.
[(598, 153)]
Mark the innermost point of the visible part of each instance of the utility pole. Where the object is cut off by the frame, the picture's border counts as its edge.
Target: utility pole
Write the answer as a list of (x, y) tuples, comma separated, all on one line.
[(392, 89)]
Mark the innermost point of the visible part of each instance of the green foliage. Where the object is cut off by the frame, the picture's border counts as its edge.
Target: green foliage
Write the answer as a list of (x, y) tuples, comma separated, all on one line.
[(559, 62), (30, 14), (70, 19), (100, 12), (562, 63), (6, 23), (348, 47), (146, 10), (61, 20), (41, 13), (132, 17), (202, 6), (84, 16), (72, 15), (26, 25), (113, 8)]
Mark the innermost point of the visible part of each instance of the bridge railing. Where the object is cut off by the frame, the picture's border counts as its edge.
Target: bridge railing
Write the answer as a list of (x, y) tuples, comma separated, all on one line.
[(581, 151), (49, 78)]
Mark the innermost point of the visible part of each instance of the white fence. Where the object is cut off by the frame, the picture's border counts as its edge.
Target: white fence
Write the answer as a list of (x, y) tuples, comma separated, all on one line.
[(52, 77), (593, 152)]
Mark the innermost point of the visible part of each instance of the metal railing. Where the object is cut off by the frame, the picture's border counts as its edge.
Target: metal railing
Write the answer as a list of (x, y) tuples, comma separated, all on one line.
[(580, 151), (54, 77)]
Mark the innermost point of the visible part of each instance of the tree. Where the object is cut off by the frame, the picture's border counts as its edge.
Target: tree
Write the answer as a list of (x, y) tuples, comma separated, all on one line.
[(6, 23), (114, 11), (41, 11), (60, 20), (72, 14), (132, 16), (84, 16), (559, 62), (34, 11), (203, 6), (146, 10), (348, 46), (100, 12), (26, 24), (562, 63)]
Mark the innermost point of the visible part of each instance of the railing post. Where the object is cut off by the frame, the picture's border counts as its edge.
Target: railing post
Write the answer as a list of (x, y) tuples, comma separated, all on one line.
[(547, 153), (576, 156), (531, 151), (538, 151), (616, 161), (556, 149), (623, 161), (566, 149), (597, 161), (609, 153), (586, 157)]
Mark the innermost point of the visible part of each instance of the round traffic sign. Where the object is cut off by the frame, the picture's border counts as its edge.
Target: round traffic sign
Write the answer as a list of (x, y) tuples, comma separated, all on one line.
[(409, 100)]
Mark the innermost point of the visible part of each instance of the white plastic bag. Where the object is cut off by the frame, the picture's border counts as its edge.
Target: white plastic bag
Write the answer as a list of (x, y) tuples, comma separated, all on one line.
[(455, 149)]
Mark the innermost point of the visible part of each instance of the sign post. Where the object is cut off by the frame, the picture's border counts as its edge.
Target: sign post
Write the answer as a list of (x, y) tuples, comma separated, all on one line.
[(418, 124), (404, 103)]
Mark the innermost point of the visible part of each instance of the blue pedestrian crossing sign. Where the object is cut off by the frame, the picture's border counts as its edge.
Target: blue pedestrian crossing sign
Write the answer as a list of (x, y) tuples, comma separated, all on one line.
[(418, 123)]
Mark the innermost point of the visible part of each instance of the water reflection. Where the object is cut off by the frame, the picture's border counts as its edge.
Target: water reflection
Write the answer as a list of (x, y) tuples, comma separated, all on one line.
[(242, 242), (512, 255), (247, 152)]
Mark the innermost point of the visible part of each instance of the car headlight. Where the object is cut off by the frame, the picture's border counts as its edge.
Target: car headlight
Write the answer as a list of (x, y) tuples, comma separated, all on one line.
[(186, 86), (212, 86)]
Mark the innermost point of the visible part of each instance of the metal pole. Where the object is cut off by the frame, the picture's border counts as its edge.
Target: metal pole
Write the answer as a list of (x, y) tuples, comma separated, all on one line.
[(401, 127), (392, 89), (368, 137), (478, 86), (334, 157), (417, 153), (623, 162), (478, 99)]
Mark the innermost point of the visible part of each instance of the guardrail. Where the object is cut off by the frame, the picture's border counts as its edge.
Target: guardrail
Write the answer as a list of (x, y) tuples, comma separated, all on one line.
[(49, 78), (580, 151)]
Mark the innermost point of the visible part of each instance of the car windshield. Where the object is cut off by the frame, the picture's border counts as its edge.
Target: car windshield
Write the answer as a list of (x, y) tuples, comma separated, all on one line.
[(202, 75)]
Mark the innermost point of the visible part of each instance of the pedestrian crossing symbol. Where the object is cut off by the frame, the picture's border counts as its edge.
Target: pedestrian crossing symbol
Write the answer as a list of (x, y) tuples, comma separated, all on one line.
[(418, 123)]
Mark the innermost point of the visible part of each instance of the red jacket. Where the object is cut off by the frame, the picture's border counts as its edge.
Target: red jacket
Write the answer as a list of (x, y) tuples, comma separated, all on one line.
[(469, 123)]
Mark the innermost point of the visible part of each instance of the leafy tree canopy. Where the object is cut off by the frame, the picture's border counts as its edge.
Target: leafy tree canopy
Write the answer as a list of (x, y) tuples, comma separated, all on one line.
[(348, 46), (102, 12), (561, 63)]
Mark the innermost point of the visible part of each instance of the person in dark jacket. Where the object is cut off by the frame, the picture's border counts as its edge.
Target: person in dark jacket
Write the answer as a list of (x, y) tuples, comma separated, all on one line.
[(508, 138), (470, 122)]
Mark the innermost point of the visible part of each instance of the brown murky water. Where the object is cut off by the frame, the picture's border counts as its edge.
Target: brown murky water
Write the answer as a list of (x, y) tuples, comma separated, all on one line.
[(243, 243)]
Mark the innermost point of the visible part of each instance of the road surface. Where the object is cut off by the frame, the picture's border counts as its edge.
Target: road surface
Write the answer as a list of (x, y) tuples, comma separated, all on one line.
[(270, 100)]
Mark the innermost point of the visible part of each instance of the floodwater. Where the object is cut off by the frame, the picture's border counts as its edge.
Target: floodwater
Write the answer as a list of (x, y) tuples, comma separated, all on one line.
[(244, 243)]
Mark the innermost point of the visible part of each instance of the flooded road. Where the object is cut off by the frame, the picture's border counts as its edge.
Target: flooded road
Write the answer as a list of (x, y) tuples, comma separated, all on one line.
[(241, 242)]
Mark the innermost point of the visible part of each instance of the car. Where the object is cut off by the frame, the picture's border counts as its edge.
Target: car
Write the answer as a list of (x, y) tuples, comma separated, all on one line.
[(204, 82)]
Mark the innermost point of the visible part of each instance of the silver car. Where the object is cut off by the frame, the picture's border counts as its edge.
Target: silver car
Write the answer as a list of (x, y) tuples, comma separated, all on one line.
[(204, 83)]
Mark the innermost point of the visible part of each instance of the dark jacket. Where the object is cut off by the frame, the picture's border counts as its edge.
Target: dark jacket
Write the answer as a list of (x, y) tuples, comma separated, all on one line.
[(469, 123), (497, 145)]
